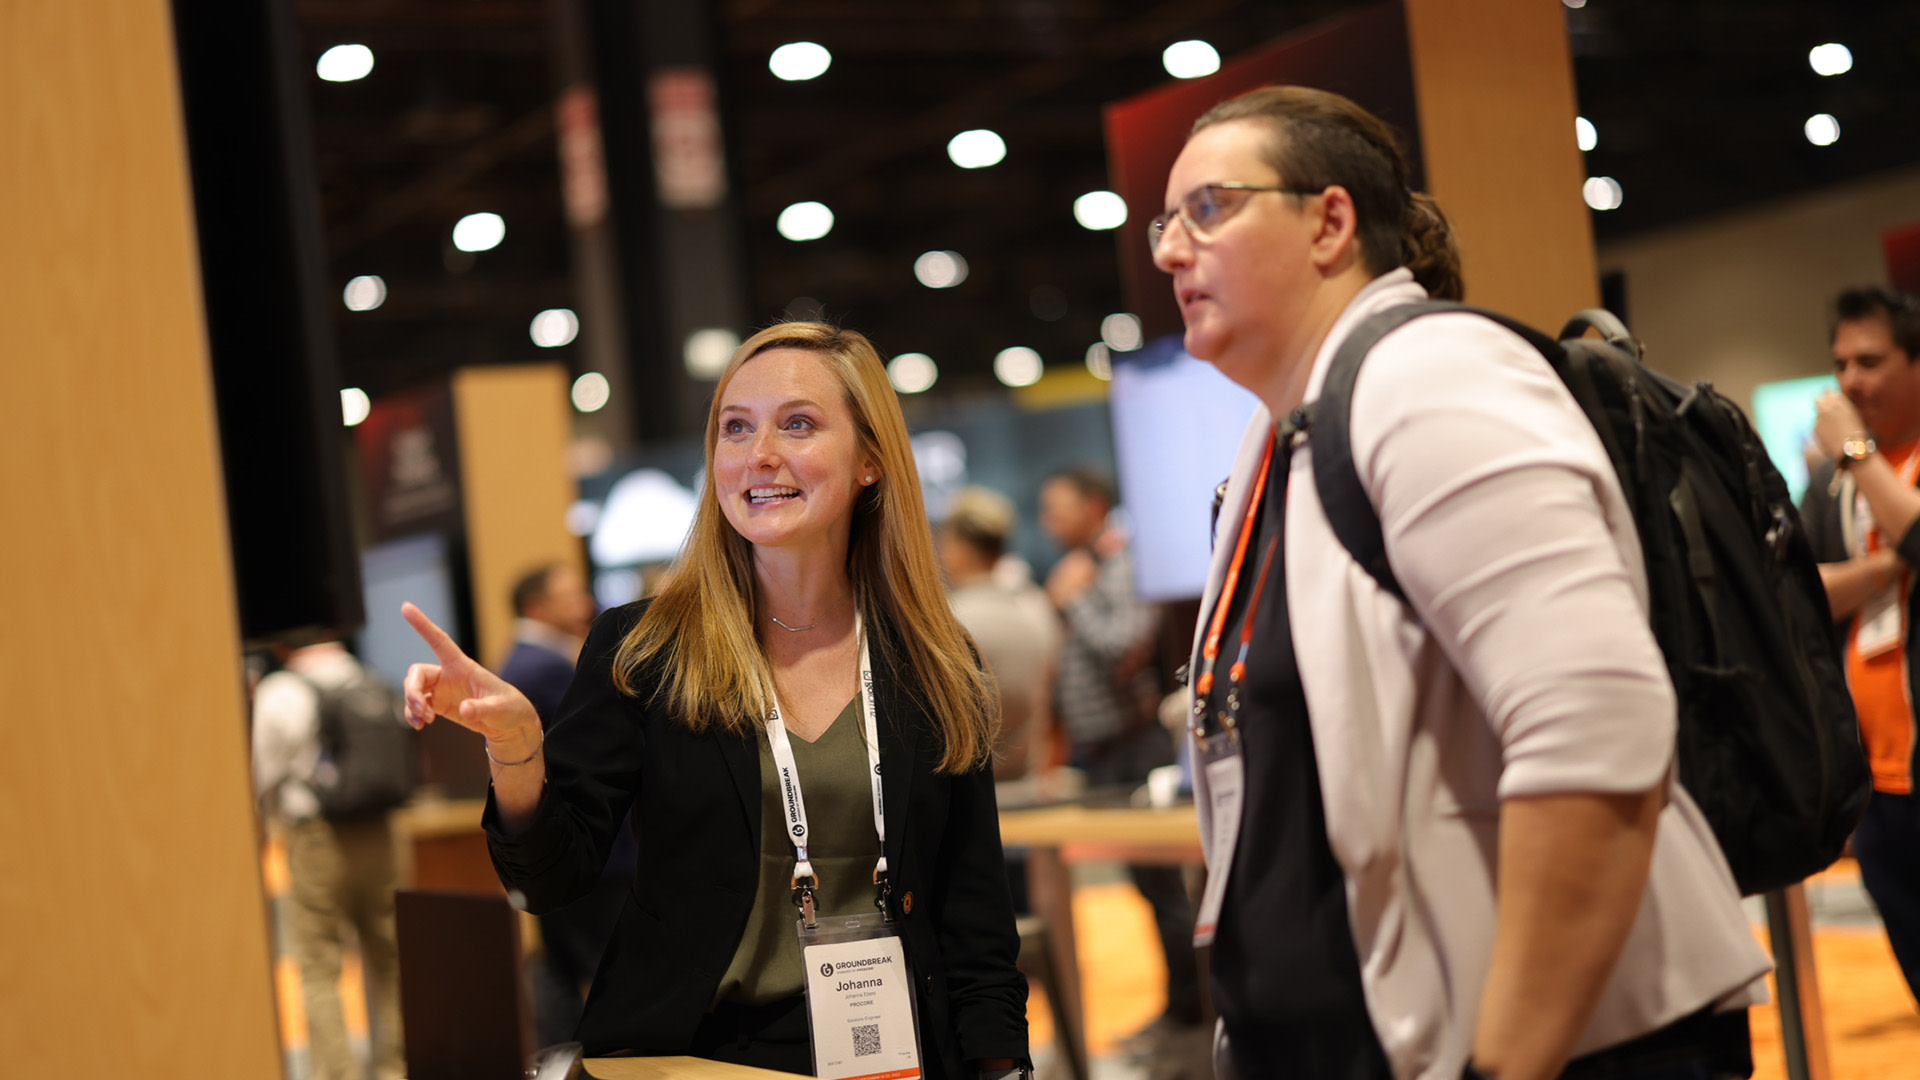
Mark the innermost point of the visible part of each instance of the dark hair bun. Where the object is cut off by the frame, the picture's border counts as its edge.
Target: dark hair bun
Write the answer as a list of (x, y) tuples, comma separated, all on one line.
[(1430, 251)]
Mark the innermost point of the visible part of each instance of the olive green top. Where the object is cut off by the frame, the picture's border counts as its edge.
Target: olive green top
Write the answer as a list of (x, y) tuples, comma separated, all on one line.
[(839, 799)]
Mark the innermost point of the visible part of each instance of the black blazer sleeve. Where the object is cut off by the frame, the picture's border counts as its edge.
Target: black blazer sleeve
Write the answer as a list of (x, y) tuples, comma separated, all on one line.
[(594, 748), (974, 926)]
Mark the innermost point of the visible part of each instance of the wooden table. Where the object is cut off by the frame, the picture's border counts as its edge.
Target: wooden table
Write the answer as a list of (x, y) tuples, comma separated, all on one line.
[(675, 1068), (444, 846), (1053, 836), (1144, 833)]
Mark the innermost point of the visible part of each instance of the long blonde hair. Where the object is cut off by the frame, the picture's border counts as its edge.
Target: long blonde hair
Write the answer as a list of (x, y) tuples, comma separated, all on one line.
[(699, 632)]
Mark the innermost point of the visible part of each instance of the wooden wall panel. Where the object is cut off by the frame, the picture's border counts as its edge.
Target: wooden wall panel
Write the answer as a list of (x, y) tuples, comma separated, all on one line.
[(515, 428), (1494, 84), (136, 940)]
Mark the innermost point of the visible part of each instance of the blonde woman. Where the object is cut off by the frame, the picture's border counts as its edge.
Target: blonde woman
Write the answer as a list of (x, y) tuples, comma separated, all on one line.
[(810, 561)]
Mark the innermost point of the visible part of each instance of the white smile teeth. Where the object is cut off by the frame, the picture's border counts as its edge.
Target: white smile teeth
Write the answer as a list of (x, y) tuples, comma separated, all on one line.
[(769, 494)]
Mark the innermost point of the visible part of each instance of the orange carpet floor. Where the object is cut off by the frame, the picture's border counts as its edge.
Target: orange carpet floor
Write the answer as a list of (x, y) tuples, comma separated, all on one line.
[(1873, 1027)]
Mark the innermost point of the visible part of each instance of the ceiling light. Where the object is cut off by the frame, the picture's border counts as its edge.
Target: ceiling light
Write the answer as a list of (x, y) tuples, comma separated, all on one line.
[(1190, 59), (1100, 210), (591, 392), (479, 232), (1584, 131), (912, 372), (364, 293), (1822, 129), (940, 269), (1100, 361), (355, 406), (1832, 58), (345, 63), (1602, 192), (707, 352), (582, 516), (1018, 366), (805, 221), (799, 61), (1121, 332), (554, 327), (976, 149)]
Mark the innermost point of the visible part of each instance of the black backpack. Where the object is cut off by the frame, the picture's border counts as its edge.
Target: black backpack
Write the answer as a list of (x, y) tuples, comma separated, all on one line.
[(1769, 746), (369, 759)]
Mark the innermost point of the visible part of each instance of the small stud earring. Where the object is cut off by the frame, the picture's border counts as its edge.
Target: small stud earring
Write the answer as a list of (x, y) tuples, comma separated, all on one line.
[(866, 479)]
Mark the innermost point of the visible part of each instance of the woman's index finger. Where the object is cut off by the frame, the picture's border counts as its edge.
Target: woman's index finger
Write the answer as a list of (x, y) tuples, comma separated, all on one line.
[(442, 645)]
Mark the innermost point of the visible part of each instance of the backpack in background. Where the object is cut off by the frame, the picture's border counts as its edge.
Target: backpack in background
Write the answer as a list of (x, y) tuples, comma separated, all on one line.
[(1768, 744), (369, 758)]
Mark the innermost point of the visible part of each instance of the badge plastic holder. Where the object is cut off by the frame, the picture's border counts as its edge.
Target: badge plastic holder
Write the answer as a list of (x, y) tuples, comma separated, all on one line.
[(856, 966)]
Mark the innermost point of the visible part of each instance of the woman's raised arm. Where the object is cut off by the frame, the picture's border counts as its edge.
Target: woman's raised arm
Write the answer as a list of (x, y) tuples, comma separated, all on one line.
[(459, 689)]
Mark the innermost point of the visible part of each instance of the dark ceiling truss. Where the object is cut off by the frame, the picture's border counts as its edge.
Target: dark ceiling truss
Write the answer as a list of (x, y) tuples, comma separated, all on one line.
[(1699, 104)]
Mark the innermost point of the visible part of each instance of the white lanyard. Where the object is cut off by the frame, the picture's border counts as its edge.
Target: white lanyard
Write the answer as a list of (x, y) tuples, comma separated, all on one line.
[(1880, 623), (796, 807)]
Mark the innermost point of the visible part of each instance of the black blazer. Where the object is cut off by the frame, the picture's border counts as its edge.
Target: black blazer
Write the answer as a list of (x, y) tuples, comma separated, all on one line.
[(695, 805)]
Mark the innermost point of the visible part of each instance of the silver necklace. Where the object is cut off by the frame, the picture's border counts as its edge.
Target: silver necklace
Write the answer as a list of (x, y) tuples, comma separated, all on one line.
[(792, 629)]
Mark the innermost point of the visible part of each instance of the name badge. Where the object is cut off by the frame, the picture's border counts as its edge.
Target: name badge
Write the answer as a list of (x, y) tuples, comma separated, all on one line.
[(859, 1000), (1226, 790)]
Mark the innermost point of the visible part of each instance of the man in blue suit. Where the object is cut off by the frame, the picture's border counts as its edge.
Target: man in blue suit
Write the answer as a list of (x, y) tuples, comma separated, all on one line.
[(554, 612)]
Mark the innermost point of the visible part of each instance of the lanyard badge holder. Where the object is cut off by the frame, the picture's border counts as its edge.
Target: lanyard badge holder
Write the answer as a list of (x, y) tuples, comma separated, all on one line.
[(1220, 751), (861, 1010)]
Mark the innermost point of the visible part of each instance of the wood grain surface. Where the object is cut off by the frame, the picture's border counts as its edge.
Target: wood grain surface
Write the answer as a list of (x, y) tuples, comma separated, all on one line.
[(516, 484), (136, 940), (1494, 83)]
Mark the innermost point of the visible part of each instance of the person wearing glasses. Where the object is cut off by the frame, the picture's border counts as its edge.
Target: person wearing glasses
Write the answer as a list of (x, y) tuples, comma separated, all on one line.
[(1445, 838), (804, 636)]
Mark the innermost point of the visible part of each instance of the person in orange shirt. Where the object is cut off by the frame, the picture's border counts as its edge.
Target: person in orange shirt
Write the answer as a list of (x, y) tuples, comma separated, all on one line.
[(1860, 510)]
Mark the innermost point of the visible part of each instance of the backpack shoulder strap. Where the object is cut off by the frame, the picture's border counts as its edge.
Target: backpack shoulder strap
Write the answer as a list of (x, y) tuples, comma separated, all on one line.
[(326, 712), (1349, 511)]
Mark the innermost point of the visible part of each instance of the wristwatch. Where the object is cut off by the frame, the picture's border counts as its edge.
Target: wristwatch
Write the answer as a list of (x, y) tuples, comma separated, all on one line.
[(1018, 1072), (1855, 449)]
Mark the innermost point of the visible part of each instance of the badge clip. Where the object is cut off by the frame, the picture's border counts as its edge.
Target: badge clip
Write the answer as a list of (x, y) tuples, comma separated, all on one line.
[(803, 899), (885, 886)]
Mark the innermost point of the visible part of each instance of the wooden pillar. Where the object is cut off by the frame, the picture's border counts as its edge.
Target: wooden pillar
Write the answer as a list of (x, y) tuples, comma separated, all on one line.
[(516, 482), (1494, 84), (136, 925)]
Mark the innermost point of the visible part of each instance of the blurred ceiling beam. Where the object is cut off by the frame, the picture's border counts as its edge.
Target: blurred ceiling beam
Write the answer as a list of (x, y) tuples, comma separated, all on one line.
[(422, 194)]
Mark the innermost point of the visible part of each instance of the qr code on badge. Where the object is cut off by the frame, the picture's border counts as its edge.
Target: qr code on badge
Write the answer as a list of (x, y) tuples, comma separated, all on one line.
[(866, 1040)]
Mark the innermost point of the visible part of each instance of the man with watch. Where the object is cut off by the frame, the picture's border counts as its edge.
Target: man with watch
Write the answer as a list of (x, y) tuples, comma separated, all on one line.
[(1859, 512)]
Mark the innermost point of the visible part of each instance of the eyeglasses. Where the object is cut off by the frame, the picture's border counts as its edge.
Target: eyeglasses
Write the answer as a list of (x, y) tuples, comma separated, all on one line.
[(1208, 207)]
